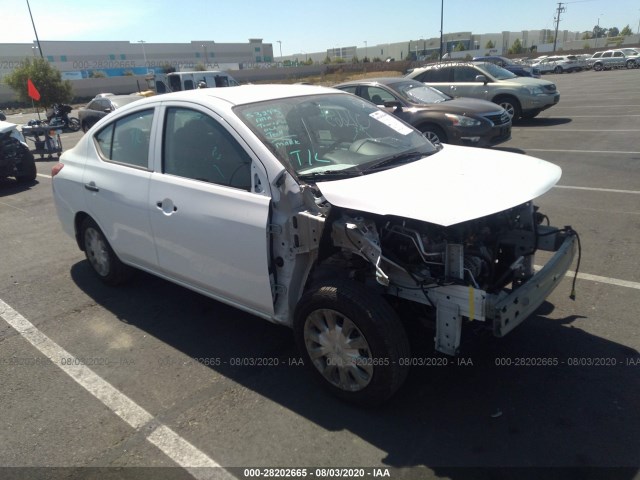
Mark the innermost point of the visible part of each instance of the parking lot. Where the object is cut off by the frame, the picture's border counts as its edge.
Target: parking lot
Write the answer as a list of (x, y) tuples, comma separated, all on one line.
[(95, 379)]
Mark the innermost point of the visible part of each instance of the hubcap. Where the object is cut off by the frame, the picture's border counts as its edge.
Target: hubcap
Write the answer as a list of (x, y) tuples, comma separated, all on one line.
[(432, 137), (509, 108), (97, 253), (338, 349)]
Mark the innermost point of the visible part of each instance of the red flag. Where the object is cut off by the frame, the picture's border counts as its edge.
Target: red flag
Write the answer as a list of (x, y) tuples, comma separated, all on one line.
[(32, 90)]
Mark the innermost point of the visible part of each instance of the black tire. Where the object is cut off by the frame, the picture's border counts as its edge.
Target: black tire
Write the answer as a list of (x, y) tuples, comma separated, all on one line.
[(337, 314), (511, 105), (630, 64), (74, 124), (101, 256), (27, 168), (558, 69), (434, 134), (531, 114), (597, 67)]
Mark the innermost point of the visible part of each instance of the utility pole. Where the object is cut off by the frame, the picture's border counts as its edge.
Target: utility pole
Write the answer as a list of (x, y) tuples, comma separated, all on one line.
[(35, 31), (441, 25), (559, 10)]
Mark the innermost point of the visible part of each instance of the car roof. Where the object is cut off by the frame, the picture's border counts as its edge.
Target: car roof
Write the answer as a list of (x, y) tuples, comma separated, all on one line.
[(245, 94), (375, 80)]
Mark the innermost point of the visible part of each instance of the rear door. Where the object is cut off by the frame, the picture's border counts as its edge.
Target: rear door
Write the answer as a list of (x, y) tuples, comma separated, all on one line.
[(116, 186), (209, 209), (464, 83)]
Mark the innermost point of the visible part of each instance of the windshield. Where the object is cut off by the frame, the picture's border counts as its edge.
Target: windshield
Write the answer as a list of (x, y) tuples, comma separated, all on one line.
[(336, 134), (417, 92), (497, 72)]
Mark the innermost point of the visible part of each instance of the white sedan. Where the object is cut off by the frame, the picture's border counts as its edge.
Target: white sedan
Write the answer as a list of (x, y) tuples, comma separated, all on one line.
[(312, 208)]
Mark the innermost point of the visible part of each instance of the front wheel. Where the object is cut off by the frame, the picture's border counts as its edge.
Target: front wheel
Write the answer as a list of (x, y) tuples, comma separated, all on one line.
[(101, 256), (74, 124), (26, 170), (434, 134), (352, 341), (511, 105), (597, 67), (558, 69)]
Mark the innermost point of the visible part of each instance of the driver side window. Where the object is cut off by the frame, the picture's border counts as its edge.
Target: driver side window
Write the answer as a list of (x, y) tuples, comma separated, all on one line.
[(196, 146)]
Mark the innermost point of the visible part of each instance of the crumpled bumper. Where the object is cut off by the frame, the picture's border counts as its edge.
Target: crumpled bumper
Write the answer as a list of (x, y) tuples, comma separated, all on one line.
[(509, 310)]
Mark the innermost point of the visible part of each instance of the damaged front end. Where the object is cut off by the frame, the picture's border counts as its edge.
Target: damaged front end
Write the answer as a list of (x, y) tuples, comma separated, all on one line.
[(480, 270)]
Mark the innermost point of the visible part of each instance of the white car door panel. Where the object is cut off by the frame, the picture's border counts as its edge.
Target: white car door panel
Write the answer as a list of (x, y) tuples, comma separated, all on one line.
[(213, 237), (116, 186)]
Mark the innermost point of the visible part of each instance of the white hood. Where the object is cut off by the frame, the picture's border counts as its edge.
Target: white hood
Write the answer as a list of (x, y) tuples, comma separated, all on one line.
[(452, 186)]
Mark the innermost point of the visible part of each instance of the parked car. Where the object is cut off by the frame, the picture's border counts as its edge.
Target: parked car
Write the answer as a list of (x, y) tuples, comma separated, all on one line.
[(519, 69), (15, 158), (313, 208), (611, 59), (101, 106), (441, 118), (520, 96), (559, 64), (632, 54)]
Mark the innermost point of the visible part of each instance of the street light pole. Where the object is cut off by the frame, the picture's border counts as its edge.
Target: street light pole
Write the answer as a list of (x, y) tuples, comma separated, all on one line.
[(441, 24), (35, 31), (279, 42), (366, 50), (144, 54)]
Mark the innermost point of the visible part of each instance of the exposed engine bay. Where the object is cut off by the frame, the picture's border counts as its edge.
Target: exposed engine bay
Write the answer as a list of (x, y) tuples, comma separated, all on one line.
[(464, 271)]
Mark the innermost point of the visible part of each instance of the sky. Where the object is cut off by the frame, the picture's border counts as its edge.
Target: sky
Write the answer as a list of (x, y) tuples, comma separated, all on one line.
[(301, 26)]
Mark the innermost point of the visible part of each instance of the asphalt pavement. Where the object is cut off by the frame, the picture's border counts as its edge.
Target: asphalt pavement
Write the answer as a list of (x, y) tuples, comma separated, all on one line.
[(151, 380)]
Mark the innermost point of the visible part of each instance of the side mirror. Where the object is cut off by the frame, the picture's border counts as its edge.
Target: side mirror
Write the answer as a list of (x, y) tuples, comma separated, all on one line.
[(393, 104), (481, 78)]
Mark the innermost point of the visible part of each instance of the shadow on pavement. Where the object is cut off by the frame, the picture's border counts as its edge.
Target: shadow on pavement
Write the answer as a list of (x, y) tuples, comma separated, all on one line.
[(542, 122), (506, 404)]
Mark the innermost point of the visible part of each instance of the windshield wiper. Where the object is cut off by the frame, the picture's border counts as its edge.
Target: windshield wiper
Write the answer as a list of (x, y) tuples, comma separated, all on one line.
[(332, 174), (402, 158)]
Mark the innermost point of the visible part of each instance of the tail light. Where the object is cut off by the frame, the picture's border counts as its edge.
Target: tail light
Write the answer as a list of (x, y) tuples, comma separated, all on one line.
[(56, 169)]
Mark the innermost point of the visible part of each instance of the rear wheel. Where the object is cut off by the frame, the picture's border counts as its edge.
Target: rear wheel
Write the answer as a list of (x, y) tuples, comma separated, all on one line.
[(511, 105), (630, 64), (101, 256), (352, 341), (434, 134), (558, 69), (74, 124)]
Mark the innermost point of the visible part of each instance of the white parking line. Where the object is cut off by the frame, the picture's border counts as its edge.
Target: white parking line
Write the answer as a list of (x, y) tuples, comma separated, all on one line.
[(560, 130), (599, 279), (169, 442), (594, 189), (43, 175), (579, 151)]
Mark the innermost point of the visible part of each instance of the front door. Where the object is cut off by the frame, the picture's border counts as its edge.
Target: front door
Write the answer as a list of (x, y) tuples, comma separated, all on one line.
[(209, 222)]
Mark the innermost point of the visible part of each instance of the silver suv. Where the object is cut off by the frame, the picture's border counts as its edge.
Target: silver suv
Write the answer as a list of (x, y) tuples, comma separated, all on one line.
[(521, 97)]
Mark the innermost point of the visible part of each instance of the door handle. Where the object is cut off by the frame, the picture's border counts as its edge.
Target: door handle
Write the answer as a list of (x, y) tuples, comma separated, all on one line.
[(168, 208), (91, 186)]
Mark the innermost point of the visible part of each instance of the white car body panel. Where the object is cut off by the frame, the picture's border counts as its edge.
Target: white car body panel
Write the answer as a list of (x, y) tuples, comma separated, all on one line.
[(215, 239), (478, 184)]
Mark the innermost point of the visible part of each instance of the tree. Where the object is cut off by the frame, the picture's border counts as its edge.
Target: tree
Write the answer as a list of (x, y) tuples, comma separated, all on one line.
[(516, 48), (490, 44), (586, 35), (355, 59), (200, 68), (46, 79), (327, 60), (599, 32), (459, 47), (626, 31), (613, 32)]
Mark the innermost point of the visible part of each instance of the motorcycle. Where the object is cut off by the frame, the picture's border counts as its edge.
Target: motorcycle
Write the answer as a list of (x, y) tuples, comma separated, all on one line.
[(58, 117)]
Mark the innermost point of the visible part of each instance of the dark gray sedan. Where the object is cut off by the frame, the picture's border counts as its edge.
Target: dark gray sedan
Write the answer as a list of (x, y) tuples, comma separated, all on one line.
[(441, 118), (101, 106)]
